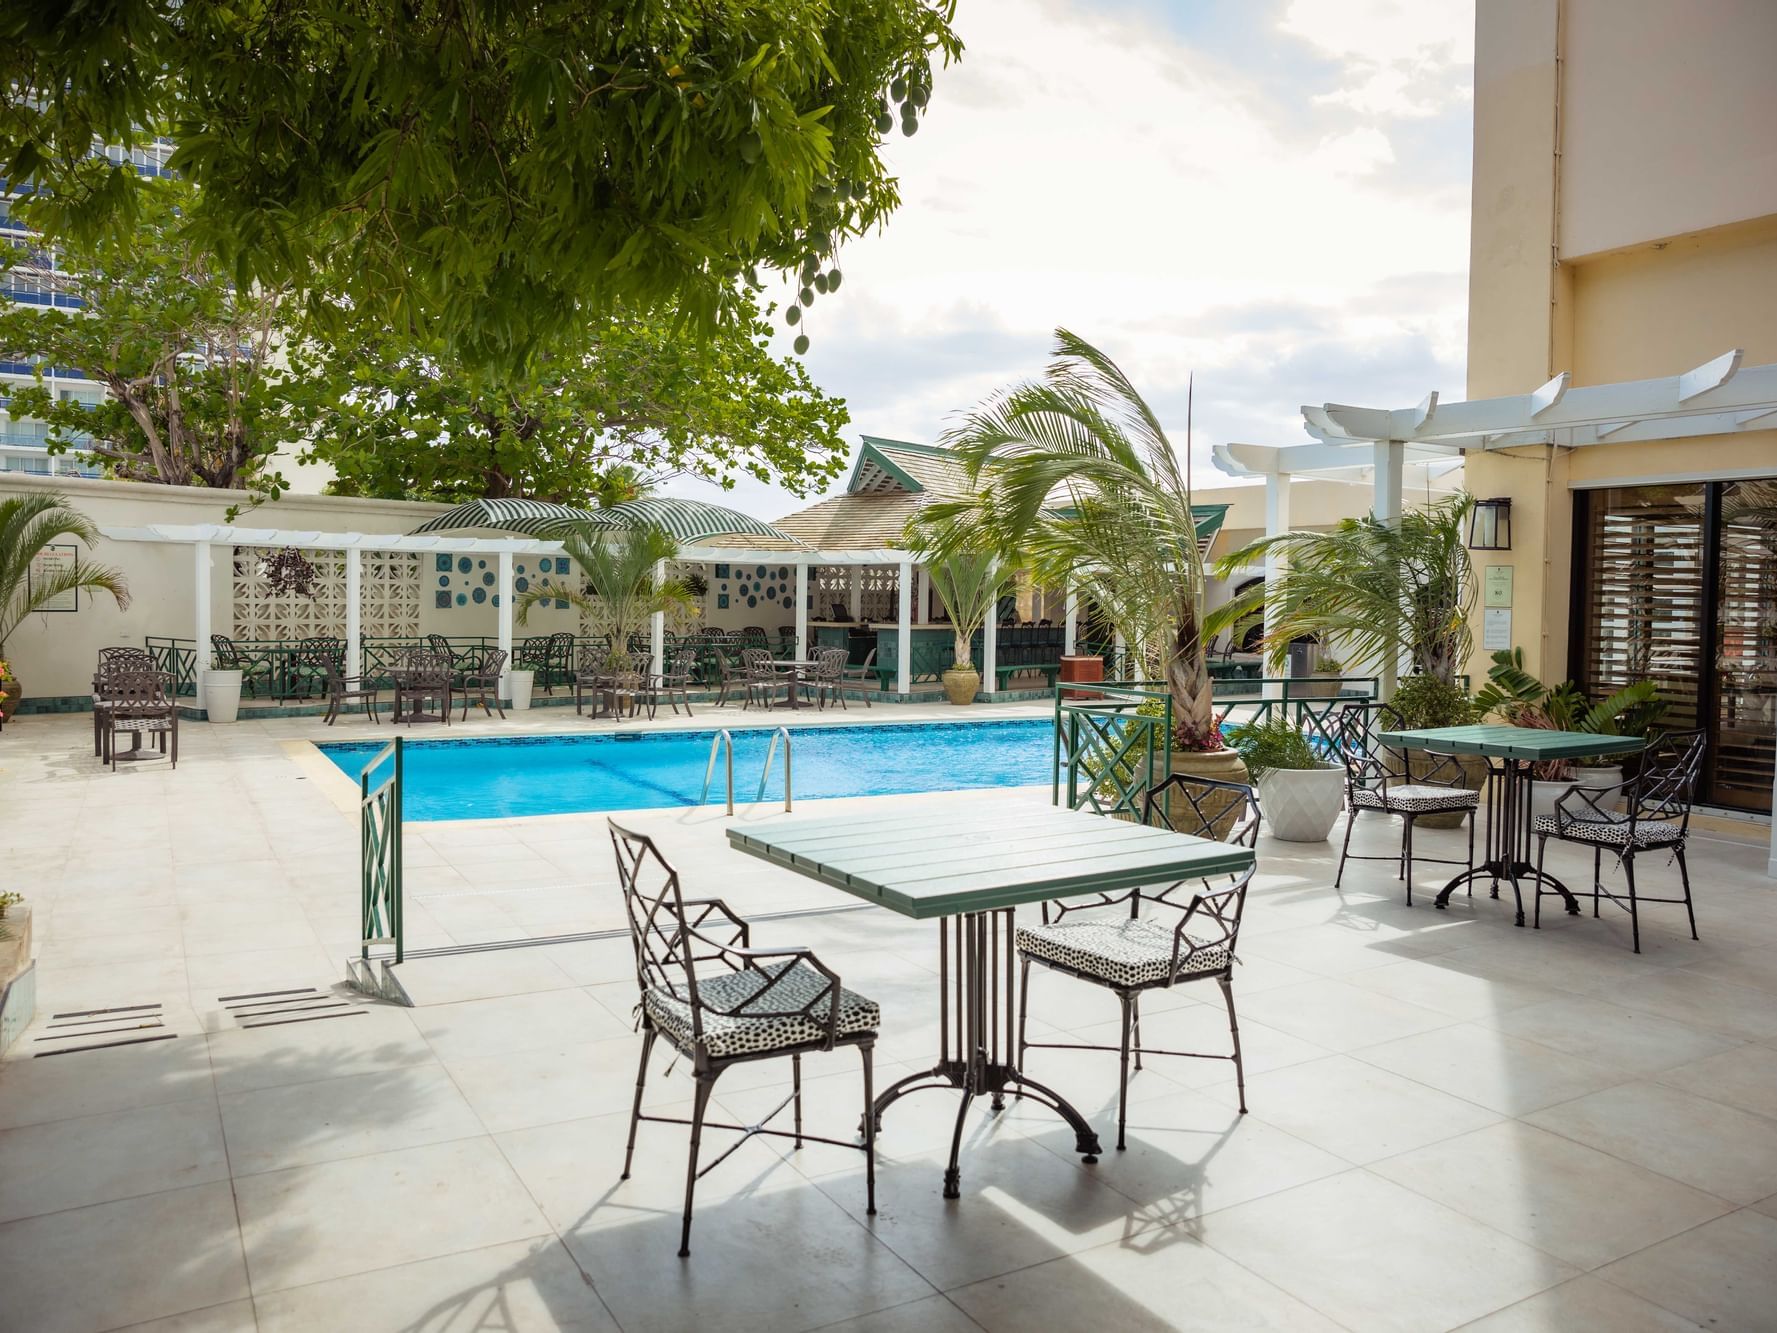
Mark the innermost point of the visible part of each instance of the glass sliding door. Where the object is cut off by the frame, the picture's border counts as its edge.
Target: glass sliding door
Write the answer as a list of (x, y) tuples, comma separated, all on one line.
[(1743, 740)]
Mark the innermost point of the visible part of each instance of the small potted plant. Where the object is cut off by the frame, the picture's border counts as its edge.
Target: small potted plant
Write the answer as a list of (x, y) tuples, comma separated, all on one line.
[(17, 999), (968, 580), (9, 692), (222, 693), (1328, 673), (1299, 792)]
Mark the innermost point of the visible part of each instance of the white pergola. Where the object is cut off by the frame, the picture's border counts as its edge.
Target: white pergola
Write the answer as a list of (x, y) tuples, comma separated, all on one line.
[(205, 537), (1720, 397)]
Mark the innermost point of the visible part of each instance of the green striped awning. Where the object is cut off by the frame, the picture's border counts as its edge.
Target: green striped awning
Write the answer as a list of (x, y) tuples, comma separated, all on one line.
[(687, 520)]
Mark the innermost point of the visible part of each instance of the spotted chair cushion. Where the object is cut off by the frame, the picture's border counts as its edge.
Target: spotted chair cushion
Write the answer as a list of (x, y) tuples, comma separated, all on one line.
[(1415, 799), (1610, 833), (1123, 952), (741, 1033)]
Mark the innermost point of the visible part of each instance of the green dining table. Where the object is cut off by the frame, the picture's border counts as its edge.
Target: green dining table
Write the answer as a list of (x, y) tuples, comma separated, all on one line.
[(1511, 752), (968, 866)]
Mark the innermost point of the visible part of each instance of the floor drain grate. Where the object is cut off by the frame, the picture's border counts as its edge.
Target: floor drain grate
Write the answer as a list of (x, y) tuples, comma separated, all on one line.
[(276, 1008), (101, 1029)]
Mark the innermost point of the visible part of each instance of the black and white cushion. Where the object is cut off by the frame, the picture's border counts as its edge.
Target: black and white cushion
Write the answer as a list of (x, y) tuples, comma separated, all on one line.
[(1610, 833), (1123, 952), (744, 1033), (1415, 799)]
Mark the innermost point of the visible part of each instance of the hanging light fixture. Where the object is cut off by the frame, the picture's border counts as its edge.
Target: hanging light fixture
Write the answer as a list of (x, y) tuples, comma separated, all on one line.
[(1490, 525)]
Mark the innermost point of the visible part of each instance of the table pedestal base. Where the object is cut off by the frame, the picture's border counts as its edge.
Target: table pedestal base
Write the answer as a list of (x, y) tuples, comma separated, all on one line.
[(978, 1021), (1508, 842)]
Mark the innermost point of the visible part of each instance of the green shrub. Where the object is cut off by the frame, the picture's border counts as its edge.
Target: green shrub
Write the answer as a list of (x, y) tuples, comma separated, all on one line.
[(1425, 701), (1272, 742)]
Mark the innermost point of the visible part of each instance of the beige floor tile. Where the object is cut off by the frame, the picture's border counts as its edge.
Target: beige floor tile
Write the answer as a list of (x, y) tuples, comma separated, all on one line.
[(1633, 1040), (1337, 1016), (380, 1037), (45, 1168), (1720, 1275), (1198, 1027), (313, 1223), (1704, 1002), (1145, 1285), (1435, 985), (1716, 1148), (1584, 1303), (122, 1263), (272, 1128), (1745, 1076), (1756, 968), (527, 1286), (934, 1314), (509, 1023), (537, 1087), (229, 1317), (1492, 1068), (1375, 1256), (1357, 1111), (1580, 1205), (94, 1082), (453, 978)]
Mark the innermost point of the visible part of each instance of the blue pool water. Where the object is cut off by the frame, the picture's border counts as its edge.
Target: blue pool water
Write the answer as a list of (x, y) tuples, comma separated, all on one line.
[(552, 775)]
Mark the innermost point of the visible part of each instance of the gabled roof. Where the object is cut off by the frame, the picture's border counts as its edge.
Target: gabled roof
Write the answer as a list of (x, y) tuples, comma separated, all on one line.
[(900, 467)]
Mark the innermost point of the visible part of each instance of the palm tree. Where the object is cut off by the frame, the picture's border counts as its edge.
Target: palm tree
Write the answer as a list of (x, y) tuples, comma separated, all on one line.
[(1076, 471), (28, 523), (967, 576), (620, 592), (1388, 591)]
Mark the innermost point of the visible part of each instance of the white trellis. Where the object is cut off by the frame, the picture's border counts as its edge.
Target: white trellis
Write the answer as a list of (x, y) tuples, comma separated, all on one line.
[(389, 596)]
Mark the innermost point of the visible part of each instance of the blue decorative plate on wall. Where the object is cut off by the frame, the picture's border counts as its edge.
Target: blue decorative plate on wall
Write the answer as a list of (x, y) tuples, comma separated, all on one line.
[(441, 563), (479, 596), (465, 565), (462, 599), (523, 585), (487, 580)]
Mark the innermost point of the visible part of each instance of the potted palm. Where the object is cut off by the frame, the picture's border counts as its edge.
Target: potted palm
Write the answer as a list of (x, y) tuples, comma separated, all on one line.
[(1388, 592), (1300, 793), (28, 523), (968, 579), (1075, 472), (625, 585)]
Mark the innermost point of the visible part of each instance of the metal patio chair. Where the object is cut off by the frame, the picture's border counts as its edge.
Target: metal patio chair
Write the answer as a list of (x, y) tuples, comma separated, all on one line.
[(719, 1002), (423, 675), (342, 689), (674, 684), (1375, 785), (728, 675), (1657, 817), (226, 654), (137, 706), (862, 675), (765, 683), (589, 666), (482, 680), (828, 678), (1128, 954), (112, 663), (626, 681)]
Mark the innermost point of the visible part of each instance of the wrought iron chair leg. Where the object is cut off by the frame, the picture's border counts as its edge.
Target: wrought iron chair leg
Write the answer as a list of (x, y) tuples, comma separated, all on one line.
[(1597, 878), (868, 1051), (1634, 912), (1345, 850), (1135, 1006), (1123, 1072), (700, 1104), (1542, 847), (1474, 817), (1023, 1013), (1227, 985), (796, 1093), (1685, 876), (1407, 855), (635, 1114)]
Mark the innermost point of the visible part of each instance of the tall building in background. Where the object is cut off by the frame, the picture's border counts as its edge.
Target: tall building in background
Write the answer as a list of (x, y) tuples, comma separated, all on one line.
[(37, 282)]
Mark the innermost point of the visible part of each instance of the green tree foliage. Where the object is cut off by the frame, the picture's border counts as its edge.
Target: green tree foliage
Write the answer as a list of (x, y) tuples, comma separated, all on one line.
[(967, 575), (620, 592), (625, 403), (488, 171), (194, 392)]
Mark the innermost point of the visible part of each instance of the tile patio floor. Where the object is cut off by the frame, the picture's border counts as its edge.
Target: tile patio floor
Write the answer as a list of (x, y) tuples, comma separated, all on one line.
[(1453, 1123)]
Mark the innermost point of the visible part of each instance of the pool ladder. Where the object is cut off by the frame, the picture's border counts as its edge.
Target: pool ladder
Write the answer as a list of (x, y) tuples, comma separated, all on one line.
[(723, 741)]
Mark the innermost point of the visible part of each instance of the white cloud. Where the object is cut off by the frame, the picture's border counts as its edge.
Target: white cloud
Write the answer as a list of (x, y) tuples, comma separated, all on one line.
[(1103, 169), (1399, 57)]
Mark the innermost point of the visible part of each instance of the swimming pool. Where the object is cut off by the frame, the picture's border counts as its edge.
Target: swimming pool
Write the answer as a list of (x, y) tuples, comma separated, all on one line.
[(487, 778)]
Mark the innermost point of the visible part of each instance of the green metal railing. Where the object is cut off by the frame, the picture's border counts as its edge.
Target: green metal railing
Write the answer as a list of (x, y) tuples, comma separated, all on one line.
[(1111, 747), (178, 658), (379, 828)]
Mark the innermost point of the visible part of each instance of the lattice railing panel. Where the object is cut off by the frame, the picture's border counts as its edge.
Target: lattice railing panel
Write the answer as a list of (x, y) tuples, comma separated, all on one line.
[(880, 598), (388, 596)]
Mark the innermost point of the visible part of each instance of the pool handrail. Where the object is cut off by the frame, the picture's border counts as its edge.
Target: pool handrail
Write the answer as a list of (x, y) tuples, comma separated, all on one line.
[(721, 738), (765, 776)]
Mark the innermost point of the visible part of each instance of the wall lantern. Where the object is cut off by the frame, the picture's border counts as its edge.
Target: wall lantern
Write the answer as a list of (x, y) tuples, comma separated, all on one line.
[(1490, 525)]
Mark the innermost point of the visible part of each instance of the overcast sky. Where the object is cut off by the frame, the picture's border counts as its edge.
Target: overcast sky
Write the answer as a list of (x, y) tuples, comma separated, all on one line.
[(1271, 193)]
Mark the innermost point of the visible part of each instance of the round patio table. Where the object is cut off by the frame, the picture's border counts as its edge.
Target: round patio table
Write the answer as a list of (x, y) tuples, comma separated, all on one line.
[(1511, 751), (796, 671), (430, 685)]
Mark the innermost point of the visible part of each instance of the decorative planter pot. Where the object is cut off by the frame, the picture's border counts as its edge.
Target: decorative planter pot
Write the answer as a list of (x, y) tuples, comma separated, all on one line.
[(961, 684), (10, 694), (520, 680), (1302, 804), (1321, 687), (1081, 668), (1221, 811), (222, 695), (1544, 795), (1474, 777), (1602, 775), (18, 982)]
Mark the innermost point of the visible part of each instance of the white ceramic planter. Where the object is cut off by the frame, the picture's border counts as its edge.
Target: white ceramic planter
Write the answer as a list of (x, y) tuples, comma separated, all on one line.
[(1302, 804), (1544, 795), (520, 680), (222, 695), (1607, 775)]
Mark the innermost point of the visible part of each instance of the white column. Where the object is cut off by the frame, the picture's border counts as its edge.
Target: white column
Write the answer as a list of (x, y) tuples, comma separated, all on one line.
[(1070, 635), (1388, 457), (354, 629), (857, 592), (802, 609), (1123, 662), (200, 619), (924, 608), (1277, 522), (657, 627), (990, 633), (506, 623), (904, 623)]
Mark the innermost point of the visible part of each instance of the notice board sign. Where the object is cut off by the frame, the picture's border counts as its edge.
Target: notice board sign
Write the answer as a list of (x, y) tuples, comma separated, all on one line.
[(1497, 586), (51, 565)]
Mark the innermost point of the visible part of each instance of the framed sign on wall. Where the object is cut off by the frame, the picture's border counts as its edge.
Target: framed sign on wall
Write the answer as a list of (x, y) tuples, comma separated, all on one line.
[(53, 564)]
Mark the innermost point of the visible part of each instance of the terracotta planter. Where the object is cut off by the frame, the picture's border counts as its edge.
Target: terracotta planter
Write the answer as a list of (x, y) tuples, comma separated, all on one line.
[(1321, 687), (1474, 777), (1221, 811), (1302, 804), (961, 684)]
